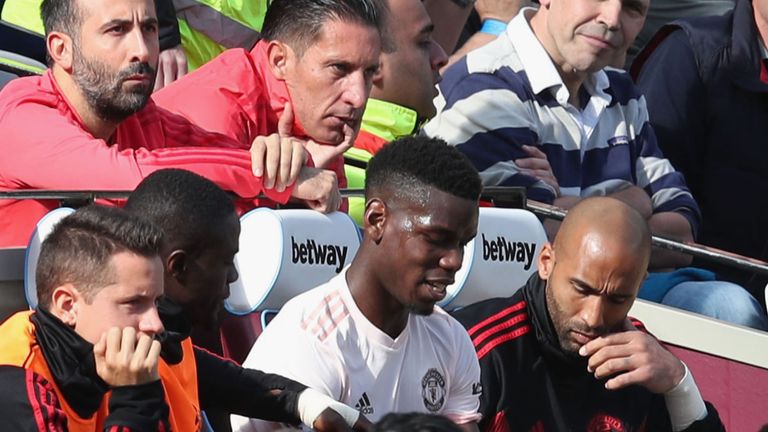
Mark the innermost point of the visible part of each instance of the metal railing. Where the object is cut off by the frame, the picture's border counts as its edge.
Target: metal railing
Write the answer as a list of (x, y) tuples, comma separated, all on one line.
[(508, 197)]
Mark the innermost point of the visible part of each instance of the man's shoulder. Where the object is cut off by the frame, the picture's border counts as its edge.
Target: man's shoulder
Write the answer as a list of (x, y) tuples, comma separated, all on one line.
[(492, 66), (621, 87), (26, 92), (493, 322), (316, 313)]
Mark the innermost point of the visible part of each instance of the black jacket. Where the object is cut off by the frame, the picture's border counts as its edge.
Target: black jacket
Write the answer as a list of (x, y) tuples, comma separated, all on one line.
[(530, 384), (706, 87)]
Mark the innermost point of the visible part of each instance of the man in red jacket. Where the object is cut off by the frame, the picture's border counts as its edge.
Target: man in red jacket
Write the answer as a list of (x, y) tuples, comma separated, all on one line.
[(307, 81), (88, 123)]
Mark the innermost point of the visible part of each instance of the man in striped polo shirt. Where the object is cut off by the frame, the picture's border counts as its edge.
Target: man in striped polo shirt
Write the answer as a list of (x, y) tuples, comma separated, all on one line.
[(561, 354), (537, 107)]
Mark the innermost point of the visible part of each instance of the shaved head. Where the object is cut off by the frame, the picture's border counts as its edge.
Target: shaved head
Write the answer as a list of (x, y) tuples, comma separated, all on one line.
[(594, 270), (603, 221)]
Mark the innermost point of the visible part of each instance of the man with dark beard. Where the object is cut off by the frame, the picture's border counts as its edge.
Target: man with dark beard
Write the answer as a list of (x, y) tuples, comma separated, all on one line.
[(561, 354), (372, 336), (88, 123)]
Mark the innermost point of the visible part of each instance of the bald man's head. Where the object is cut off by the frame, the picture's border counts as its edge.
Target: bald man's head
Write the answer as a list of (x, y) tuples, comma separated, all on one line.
[(594, 269), (605, 221)]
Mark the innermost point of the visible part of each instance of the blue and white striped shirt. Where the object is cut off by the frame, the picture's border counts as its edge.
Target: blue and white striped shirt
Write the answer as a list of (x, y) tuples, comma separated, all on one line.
[(508, 93)]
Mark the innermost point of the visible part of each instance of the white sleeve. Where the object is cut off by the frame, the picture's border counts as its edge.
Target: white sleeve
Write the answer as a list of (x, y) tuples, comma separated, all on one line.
[(285, 349), (464, 397)]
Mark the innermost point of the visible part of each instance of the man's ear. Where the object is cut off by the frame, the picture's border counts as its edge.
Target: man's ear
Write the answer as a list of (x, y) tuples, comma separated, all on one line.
[(60, 49), (65, 302), (177, 264), (546, 261), (375, 217), (278, 55)]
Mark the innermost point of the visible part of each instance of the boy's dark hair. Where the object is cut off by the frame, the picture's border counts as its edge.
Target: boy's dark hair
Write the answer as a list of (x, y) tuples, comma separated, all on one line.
[(184, 205), (80, 247), (407, 163), (415, 422)]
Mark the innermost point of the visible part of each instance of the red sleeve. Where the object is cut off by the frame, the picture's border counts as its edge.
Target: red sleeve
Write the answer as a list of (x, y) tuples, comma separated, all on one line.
[(43, 149), (222, 96)]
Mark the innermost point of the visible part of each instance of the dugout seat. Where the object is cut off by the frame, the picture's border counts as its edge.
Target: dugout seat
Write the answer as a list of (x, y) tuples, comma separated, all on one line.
[(283, 253), (500, 259), (43, 228)]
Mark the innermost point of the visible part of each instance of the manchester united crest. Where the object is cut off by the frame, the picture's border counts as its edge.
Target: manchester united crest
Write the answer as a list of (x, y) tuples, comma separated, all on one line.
[(433, 390)]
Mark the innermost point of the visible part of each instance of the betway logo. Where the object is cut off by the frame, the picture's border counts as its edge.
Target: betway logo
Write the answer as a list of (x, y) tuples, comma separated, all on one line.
[(319, 254), (502, 249)]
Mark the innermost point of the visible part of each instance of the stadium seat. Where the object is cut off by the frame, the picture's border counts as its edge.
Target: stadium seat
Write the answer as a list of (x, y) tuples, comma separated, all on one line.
[(43, 228), (283, 253), (14, 65), (286, 252), (500, 259)]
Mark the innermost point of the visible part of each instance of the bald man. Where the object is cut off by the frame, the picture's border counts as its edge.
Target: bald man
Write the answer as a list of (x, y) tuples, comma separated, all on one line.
[(561, 354)]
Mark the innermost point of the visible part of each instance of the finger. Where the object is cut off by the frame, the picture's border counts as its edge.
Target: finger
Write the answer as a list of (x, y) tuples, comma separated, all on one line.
[(285, 123), (159, 78), (627, 379), (607, 353), (127, 345), (298, 159), (100, 348), (533, 163), (272, 160), (181, 63), (114, 337), (170, 73), (258, 149), (534, 152), (614, 366), (286, 154), (334, 199), (349, 139), (140, 353), (598, 343)]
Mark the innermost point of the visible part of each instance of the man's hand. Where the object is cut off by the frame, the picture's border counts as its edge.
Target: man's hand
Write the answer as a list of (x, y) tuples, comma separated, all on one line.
[(537, 165), (319, 189), (124, 357), (502, 10), (171, 66), (633, 358), (279, 158), (331, 421), (323, 154)]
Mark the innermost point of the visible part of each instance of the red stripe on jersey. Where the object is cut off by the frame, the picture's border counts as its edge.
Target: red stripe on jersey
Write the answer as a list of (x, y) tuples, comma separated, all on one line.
[(499, 423), (504, 312), (315, 314), (501, 339), (499, 327), (34, 401)]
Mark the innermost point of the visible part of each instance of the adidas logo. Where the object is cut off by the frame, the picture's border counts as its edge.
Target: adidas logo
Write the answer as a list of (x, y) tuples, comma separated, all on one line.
[(364, 405)]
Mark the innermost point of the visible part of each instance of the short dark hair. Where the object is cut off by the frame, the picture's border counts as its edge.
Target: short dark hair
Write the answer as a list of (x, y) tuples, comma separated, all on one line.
[(183, 204), (61, 16), (415, 422), (80, 247), (408, 162), (298, 23)]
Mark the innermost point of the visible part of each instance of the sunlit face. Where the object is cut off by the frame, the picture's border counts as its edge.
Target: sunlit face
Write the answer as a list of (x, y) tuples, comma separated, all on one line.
[(417, 56), (587, 35), (423, 247), (129, 301), (115, 56), (590, 289), (330, 82), (208, 275)]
